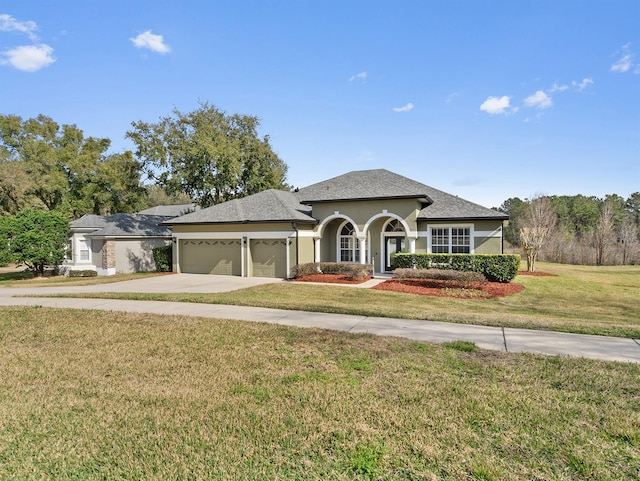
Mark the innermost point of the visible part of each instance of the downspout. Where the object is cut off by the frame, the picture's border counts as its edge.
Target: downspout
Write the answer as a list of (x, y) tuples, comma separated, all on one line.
[(293, 226)]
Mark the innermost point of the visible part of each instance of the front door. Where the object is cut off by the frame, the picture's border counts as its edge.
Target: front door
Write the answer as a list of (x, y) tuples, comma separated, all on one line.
[(392, 245)]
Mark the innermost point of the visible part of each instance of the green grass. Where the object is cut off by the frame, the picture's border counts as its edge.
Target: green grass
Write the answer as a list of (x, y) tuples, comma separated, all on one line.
[(588, 300), (26, 278), (94, 395)]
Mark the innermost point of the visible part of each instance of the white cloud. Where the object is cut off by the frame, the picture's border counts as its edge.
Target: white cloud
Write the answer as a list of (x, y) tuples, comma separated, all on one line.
[(10, 24), (558, 88), (151, 41), (539, 100), (496, 105), (583, 84), (28, 58), (624, 63), (358, 76), (404, 108)]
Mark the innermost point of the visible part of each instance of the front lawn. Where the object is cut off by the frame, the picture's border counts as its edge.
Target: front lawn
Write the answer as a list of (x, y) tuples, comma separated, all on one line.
[(95, 395), (589, 300)]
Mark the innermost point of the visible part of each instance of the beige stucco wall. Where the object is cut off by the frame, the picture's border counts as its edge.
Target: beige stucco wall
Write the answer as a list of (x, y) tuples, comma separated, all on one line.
[(136, 255), (362, 211)]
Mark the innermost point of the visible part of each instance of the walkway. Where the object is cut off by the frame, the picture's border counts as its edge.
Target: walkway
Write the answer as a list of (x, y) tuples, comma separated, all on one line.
[(493, 338)]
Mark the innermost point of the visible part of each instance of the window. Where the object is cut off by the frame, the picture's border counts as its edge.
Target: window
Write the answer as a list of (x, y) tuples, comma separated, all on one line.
[(84, 250), (451, 240), (348, 242)]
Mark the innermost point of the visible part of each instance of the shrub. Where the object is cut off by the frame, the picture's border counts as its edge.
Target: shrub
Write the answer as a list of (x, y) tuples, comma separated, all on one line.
[(83, 273), (495, 267), (163, 257), (440, 274), (352, 271)]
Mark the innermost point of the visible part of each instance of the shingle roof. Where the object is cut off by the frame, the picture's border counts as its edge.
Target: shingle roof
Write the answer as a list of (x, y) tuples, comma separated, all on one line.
[(364, 185), (170, 210), (267, 206), (123, 225), (383, 184)]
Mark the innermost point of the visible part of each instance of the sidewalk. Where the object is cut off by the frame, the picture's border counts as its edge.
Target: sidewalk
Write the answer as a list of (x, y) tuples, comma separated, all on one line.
[(492, 338)]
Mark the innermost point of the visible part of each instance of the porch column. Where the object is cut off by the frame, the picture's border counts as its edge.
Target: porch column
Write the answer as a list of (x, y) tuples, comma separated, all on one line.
[(412, 245), (361, 246), (316, 249)]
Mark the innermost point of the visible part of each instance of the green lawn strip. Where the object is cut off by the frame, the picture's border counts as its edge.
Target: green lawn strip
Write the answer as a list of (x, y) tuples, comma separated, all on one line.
[(27, 279), (599, 301), (95, 395)]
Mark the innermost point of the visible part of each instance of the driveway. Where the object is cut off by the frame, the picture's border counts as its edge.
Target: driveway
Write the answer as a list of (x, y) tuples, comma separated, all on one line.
[(169, 283)]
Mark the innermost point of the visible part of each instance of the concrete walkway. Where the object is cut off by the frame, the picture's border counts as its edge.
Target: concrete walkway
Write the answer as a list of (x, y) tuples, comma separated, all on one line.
[(493, 338)]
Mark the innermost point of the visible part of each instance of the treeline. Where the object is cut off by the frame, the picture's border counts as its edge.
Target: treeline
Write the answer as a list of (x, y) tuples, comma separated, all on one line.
[(584, 230), (205, 157)]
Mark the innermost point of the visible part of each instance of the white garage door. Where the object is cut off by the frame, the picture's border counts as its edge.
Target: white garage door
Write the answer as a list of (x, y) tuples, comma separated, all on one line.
[(269, 258), (211, 256)]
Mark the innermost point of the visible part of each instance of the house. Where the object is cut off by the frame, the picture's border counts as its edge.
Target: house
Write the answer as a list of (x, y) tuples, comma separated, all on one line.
[(121, 243), (362, 216)]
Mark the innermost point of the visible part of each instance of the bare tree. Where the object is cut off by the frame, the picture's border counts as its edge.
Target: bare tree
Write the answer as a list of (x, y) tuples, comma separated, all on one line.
[(537, 223), (604, 233), (628, 236)]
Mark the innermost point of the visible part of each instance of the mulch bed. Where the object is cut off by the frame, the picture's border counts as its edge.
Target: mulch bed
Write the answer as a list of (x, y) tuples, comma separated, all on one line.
[(427, 287), (331, 279), (431, 287)]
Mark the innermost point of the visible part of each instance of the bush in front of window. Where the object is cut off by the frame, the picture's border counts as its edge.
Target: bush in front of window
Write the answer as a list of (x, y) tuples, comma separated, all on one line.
[(163, 257), (495, 267), (83, 273), (352, 271)]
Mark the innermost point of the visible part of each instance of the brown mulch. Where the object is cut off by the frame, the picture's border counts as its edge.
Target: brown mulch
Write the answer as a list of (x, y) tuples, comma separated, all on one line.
[(431, 287), (536, 274), (426, 287), (331, 279)]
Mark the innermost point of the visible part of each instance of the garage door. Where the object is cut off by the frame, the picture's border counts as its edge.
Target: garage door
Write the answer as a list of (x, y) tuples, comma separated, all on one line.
[(269, 258), (211, 256)]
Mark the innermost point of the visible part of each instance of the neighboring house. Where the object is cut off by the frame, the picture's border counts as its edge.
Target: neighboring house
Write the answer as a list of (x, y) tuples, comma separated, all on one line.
[(362, 216), (121, 243)]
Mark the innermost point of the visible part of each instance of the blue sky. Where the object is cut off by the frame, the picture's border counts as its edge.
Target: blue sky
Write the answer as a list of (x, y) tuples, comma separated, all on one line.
[(483, 99)]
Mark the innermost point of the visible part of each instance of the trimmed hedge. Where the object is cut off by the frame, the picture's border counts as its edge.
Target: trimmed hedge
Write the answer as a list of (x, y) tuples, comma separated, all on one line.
[(83, 273), (352, 271), (440, 275), (163, 257), (495, 267)]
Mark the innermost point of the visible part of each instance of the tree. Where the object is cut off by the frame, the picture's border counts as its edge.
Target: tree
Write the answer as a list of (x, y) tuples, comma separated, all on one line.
[(537, 223), (514, 207), (43, 164), (208, 155), (629, 236), (37, 238), (604, 234), (632, 206)]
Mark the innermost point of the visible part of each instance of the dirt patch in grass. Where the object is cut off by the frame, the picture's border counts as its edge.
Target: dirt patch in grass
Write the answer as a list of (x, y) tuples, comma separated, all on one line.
[(331, 279), (536, 274), (432, 287)]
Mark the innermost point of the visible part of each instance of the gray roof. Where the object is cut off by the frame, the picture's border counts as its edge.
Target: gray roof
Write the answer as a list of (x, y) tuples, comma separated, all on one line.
[(383, 184), (364, 185), (123, 225), (170, 210), (267, 206), (282, 206)]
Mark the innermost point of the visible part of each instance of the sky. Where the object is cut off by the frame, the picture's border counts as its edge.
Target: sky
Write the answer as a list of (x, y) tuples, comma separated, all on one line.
[(484, 99)]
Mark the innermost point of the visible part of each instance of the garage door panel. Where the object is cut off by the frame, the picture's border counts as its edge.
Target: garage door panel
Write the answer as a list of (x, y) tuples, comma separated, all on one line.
[(211, 256), (269, 258)]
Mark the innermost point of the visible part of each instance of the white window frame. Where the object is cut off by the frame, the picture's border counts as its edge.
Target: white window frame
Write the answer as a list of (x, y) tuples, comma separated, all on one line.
[(352, 246), (449, 234), (86, 243)]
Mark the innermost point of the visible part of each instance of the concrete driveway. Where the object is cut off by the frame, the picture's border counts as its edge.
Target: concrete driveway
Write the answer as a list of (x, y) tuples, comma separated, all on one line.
[(169, 283)]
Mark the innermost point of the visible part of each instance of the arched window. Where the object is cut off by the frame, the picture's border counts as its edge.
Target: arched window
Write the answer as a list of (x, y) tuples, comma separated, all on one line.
[(394, 225), (348, 244)]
